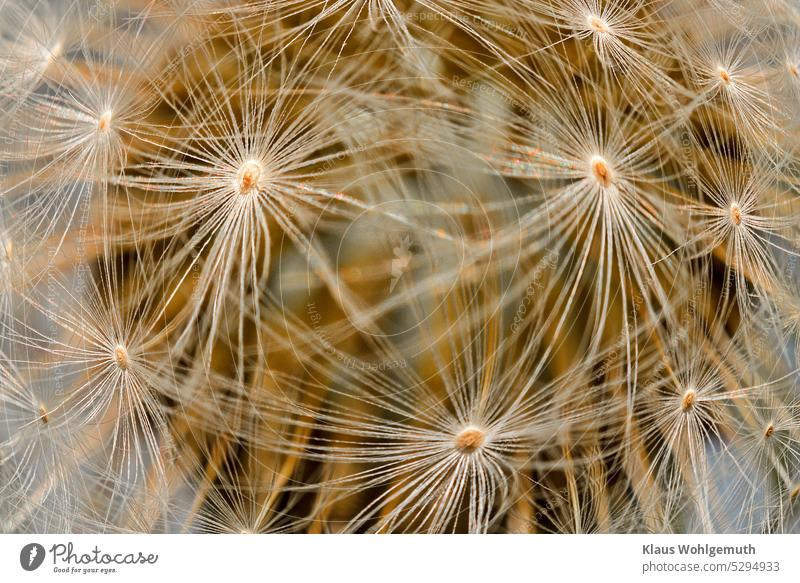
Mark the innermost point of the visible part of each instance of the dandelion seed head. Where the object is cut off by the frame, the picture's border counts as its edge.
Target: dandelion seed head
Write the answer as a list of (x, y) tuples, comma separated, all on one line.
[(470, 439), (654, 167)]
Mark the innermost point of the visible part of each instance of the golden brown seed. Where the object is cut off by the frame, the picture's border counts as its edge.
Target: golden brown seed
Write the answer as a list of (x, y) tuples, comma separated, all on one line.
[(470, 439), (121, 357), (598, 24), (43, 414), (769, 431), (724, 75), (736, 214), (104, 121), (249, 176), (689, 398), (602, 173)]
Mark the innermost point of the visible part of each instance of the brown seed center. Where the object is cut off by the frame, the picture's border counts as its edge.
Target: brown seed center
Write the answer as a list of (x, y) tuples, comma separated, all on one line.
[(104, 121), (769, 431), (736, 214), (121, 357), (724, 75), (597, 24), (601, 171), (249, 176), (689, 398), (470, 439)]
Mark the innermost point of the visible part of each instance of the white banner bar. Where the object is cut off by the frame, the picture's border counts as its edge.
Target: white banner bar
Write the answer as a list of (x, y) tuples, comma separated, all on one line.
[(418, 558)]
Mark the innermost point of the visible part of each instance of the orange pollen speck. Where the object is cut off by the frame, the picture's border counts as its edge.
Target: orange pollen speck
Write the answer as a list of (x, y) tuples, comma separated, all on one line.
[(602, 173), (470, 439), (121, 357), (689, 398), (736, 214), (724, 75), (104, 121), (249, 176), (597, 24), (793, 71)]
